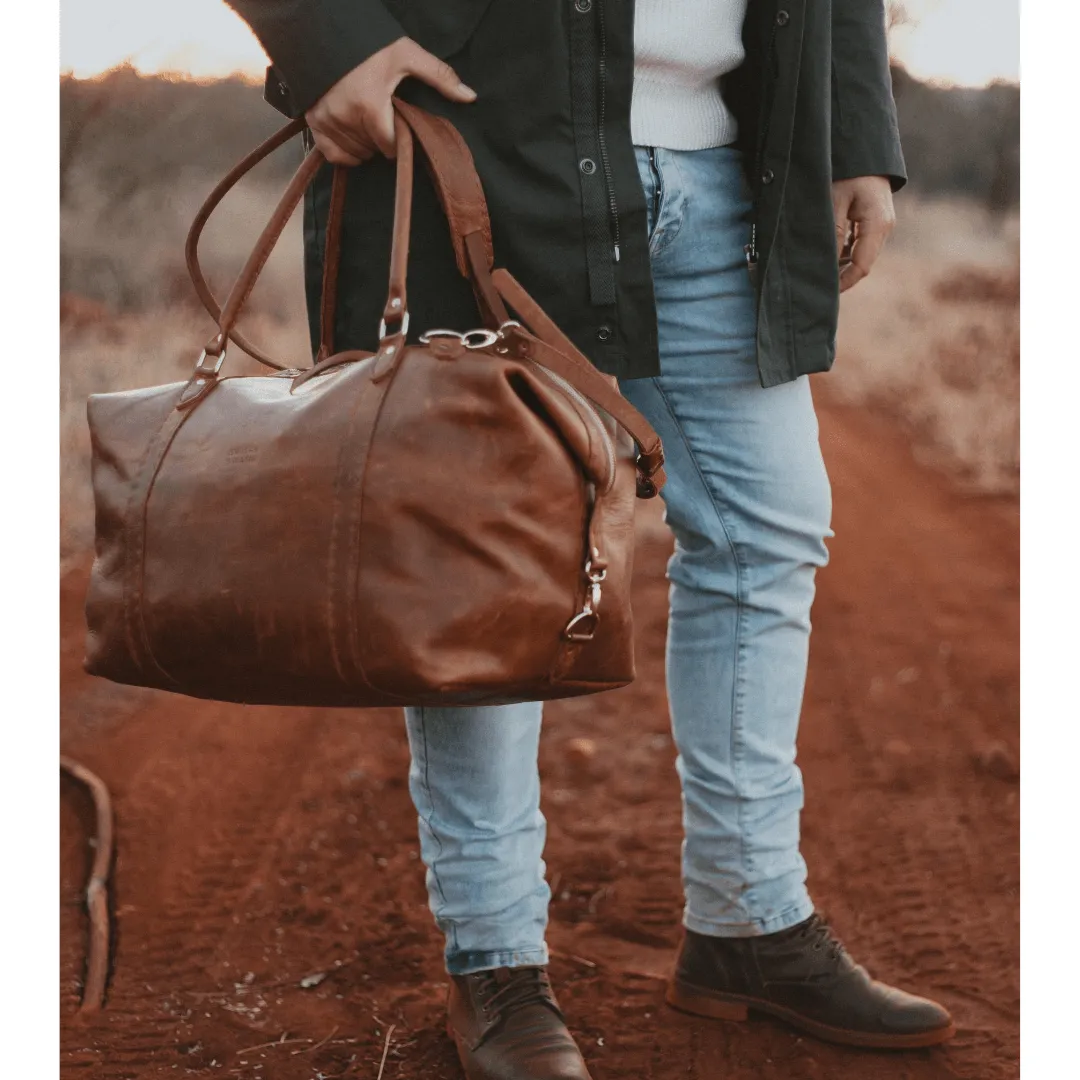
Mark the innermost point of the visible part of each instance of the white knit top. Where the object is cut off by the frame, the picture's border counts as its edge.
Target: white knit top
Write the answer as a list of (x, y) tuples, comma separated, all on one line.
[(681, 48)]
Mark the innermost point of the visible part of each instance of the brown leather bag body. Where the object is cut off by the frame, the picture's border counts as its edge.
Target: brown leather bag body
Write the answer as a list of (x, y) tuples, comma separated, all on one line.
[(447, 523)]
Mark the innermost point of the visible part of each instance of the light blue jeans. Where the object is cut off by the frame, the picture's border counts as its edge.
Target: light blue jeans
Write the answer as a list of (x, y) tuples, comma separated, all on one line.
[(748, 501)]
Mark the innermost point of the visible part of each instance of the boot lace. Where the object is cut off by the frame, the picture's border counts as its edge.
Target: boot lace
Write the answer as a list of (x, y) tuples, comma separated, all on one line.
[(819, 936), (520, 988)]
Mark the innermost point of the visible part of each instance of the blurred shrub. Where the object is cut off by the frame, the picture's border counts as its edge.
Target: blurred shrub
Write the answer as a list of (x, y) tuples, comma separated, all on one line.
[(960, 141)]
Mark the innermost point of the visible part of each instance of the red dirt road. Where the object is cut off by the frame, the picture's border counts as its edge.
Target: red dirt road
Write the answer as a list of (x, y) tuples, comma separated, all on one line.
[(270, 909)]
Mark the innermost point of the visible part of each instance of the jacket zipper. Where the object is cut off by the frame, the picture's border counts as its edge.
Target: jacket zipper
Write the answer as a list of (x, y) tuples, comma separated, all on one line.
[(659, 196), (572, 391), (605, 163)]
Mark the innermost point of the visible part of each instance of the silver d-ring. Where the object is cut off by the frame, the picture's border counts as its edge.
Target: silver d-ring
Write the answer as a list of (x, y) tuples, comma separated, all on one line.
[(479, 339), (403, 329), (427, 335)]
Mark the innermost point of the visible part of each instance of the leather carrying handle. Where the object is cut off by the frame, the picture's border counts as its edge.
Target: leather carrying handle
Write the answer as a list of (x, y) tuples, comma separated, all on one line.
[(191, 247), (462, 199), (331, 262), (460, 195)]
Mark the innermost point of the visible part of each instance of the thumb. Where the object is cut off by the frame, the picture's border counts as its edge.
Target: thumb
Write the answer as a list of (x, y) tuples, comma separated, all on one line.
[(438, 74)]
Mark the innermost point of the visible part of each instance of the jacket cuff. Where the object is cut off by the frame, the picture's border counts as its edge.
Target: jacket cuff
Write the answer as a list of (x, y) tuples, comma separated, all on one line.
[(310, 56), (869, 159), (865, 134)]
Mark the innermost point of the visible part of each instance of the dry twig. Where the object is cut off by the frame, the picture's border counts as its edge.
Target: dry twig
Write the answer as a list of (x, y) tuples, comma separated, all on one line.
[(321, 1042), (385, 1051), (97, 888), (277, 1042)]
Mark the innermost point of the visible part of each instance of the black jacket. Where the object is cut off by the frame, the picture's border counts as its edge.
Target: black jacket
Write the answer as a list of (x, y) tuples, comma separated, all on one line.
[(550, 133)]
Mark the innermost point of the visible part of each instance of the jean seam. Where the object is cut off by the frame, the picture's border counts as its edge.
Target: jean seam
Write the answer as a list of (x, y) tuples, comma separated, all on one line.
[(737, 682), (790, 916), (428, 823), (482, 960)]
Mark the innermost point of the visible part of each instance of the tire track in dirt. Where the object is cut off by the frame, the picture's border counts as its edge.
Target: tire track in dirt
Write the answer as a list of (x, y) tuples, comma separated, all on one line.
[(258, 846)]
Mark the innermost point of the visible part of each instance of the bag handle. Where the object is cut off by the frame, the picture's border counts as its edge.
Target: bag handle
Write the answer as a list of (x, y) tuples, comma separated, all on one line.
[(460, 195), (191, 246), (462, 199)]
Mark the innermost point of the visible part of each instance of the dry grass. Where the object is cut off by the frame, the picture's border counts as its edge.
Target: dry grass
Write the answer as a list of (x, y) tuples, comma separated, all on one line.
[(129, 316), (932, 338), (102, 352)]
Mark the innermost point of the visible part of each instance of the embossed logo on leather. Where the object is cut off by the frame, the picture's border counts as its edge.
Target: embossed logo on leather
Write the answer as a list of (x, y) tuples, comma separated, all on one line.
[(242, 455)]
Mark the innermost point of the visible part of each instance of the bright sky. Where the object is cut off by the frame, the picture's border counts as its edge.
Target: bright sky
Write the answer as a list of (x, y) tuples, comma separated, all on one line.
[(968, 42)]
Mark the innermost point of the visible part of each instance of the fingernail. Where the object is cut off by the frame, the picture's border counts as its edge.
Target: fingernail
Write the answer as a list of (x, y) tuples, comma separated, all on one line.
[(468, 91)]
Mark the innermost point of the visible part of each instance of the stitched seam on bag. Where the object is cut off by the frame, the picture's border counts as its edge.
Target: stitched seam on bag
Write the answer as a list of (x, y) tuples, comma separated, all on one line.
[(139, 612), (357, 544), (129, 533), (141, 579), (334, 589)]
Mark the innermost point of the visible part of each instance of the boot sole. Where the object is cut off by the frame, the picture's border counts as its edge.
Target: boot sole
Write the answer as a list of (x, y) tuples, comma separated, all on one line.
[(718, 1006)]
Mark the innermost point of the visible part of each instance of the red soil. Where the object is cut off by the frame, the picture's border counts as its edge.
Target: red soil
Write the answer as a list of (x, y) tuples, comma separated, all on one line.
[(269, 903)]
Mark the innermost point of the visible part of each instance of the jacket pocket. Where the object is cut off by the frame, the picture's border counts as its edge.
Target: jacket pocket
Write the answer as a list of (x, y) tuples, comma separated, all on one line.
[(443, 27)]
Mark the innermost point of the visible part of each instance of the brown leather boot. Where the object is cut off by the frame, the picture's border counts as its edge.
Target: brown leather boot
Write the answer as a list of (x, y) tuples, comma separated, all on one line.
[(804, 976), (507, 1025)]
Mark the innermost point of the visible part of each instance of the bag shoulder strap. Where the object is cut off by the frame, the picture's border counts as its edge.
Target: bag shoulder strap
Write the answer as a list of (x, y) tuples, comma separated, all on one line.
[(564, 358)]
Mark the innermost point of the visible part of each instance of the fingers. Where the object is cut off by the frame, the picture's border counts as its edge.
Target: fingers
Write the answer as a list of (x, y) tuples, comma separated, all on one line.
[(864, 202), (339, 148), (334, 154), (354, 119), (438, 74), (380, 128), (841, 200), (870, 237)]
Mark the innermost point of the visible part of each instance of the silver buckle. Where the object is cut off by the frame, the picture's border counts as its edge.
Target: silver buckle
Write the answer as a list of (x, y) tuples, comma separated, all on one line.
[(200, 369), (403, 330)]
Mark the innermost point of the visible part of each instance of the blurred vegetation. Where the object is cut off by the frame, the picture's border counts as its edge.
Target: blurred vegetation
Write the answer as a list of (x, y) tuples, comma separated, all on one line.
[(124, 131), (959, 141)]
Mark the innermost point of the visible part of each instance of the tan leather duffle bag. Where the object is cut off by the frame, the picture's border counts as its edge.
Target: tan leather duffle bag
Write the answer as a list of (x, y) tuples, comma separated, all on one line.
[(442, 523)]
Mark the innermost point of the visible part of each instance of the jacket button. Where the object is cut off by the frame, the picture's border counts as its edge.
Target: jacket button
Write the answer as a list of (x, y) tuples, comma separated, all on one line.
[(587, 166), (583, 5), (782, 18), (603, 333), (768, 176)]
